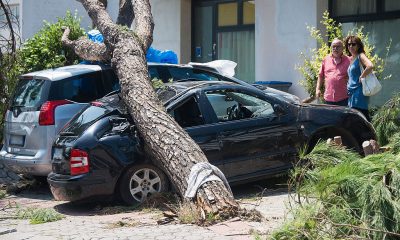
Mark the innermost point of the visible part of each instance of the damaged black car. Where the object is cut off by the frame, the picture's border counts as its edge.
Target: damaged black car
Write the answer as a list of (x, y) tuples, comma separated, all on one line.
[(246, 132)]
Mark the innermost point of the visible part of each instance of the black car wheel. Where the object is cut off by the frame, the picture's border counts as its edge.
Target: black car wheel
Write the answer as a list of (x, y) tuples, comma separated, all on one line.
[(140, 181)]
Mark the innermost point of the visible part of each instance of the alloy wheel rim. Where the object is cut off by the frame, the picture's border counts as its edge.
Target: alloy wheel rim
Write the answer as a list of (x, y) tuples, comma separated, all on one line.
[(143, 183)]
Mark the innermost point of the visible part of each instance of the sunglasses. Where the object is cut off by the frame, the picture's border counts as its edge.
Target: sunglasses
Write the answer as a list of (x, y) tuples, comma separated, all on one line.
[(352, 44)]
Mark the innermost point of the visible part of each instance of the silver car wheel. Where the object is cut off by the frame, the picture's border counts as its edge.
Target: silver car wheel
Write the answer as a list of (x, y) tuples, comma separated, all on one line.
[(143, 183)]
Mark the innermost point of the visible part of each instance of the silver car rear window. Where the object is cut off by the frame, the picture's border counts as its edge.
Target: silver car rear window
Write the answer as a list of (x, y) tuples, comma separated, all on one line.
[(29, 93), (81, 88)]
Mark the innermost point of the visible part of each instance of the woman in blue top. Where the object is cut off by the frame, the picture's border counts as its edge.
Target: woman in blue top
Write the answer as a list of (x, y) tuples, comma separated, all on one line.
[(357, 100)]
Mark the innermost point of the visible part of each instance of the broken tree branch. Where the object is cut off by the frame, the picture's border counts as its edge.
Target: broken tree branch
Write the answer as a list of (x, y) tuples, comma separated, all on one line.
[(85, 48), (143, 22)]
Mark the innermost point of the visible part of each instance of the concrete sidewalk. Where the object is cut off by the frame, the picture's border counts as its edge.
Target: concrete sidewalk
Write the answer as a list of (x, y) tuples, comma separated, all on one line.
[(87, 224)]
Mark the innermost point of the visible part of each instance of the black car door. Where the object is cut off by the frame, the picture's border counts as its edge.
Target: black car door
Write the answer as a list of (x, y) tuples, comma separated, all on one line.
[(255, 138), (188, 114)]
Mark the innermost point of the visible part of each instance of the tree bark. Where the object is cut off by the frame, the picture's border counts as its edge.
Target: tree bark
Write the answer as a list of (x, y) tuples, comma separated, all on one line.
[(171, 147)]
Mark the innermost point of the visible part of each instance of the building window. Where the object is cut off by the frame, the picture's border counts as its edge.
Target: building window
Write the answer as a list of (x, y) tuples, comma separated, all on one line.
[(225, 29), (364, 10), (227, 14), (249, 12), (381, 19), (392, 5), (235, 36), (353, 7), (14, 13), (239, 13)]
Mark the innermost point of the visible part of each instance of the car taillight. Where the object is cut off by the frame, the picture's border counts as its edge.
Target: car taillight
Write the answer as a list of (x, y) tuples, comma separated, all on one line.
[(46, 116), (79, 162), (96, 104)]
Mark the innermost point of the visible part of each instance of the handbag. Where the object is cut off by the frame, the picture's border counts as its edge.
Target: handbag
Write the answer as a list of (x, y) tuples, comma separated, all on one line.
[(370, 84)]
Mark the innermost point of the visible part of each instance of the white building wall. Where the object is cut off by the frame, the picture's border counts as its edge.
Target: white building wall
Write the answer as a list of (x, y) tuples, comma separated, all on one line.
[(4, 32), (171, 18), (280, 36), (34, 12), (168, 16)]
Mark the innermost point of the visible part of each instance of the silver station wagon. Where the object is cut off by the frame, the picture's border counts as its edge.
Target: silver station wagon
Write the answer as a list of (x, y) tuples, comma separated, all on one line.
[(43, 102)]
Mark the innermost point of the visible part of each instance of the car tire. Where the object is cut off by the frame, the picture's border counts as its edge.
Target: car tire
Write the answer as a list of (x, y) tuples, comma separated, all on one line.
[(347, 139), (140, 182)]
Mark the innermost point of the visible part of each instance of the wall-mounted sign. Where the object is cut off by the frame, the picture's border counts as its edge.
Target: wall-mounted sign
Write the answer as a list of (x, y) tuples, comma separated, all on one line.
[(197, 52)]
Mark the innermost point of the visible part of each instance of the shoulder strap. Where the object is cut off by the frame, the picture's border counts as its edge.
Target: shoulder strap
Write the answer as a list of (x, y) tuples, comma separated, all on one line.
[(359, 63)]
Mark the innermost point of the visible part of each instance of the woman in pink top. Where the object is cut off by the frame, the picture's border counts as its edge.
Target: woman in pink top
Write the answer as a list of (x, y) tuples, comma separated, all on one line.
[(333, 73)]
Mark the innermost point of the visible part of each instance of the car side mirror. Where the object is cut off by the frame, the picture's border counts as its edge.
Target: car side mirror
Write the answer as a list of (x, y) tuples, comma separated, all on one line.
[(279, 110)]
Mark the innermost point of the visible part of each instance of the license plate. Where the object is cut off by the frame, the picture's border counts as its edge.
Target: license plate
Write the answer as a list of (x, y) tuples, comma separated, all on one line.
[(58, 153), (17, 140)]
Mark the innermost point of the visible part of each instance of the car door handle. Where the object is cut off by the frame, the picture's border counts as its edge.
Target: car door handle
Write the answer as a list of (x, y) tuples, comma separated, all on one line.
[(220, 143)]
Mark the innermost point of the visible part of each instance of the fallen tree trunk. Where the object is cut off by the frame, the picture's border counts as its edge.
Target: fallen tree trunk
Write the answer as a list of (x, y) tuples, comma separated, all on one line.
[(171, 147)]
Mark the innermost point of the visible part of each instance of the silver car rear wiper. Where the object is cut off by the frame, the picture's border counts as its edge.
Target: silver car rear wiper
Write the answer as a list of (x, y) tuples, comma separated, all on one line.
[(67, 134), (17, 106)]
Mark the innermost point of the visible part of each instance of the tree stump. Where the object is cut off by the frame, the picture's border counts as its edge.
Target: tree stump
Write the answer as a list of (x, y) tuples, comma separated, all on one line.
[(370, 147)]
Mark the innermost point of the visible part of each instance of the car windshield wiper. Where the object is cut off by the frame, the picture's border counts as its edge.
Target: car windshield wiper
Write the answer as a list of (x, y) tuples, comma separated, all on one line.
[(190, 79), (113, 92), (17, 106)]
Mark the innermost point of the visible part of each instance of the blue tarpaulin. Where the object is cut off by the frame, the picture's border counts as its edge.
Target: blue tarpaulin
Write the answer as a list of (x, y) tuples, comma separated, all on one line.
[(153, 55), (95, 36), (167, 56)]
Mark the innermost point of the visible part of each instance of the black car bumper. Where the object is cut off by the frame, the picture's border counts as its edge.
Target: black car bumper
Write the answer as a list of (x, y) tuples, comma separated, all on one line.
[(74, 188)]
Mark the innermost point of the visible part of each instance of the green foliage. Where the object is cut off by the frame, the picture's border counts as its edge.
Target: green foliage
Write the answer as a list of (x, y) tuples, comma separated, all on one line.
[(311, 62), (346, 196), (386, 121), (159, 84), (302, 226), (44, 50), (10, 73), (394, 144), (39, 215)]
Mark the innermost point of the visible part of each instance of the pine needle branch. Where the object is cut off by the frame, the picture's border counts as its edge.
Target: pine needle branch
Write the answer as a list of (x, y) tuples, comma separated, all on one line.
[(358, 227)]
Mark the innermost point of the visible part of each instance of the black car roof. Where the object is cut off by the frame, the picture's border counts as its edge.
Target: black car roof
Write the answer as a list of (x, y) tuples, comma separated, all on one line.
[(175, 89), (168, 93)]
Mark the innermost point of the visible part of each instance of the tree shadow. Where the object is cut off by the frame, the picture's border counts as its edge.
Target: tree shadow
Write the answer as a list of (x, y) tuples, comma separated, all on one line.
[(109, 205), (266, 187)]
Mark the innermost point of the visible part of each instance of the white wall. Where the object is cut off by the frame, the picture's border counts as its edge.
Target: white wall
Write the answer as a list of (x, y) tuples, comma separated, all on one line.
[(171, 17), (281, 35), (4, 32), (34, 12), (167, 16)]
